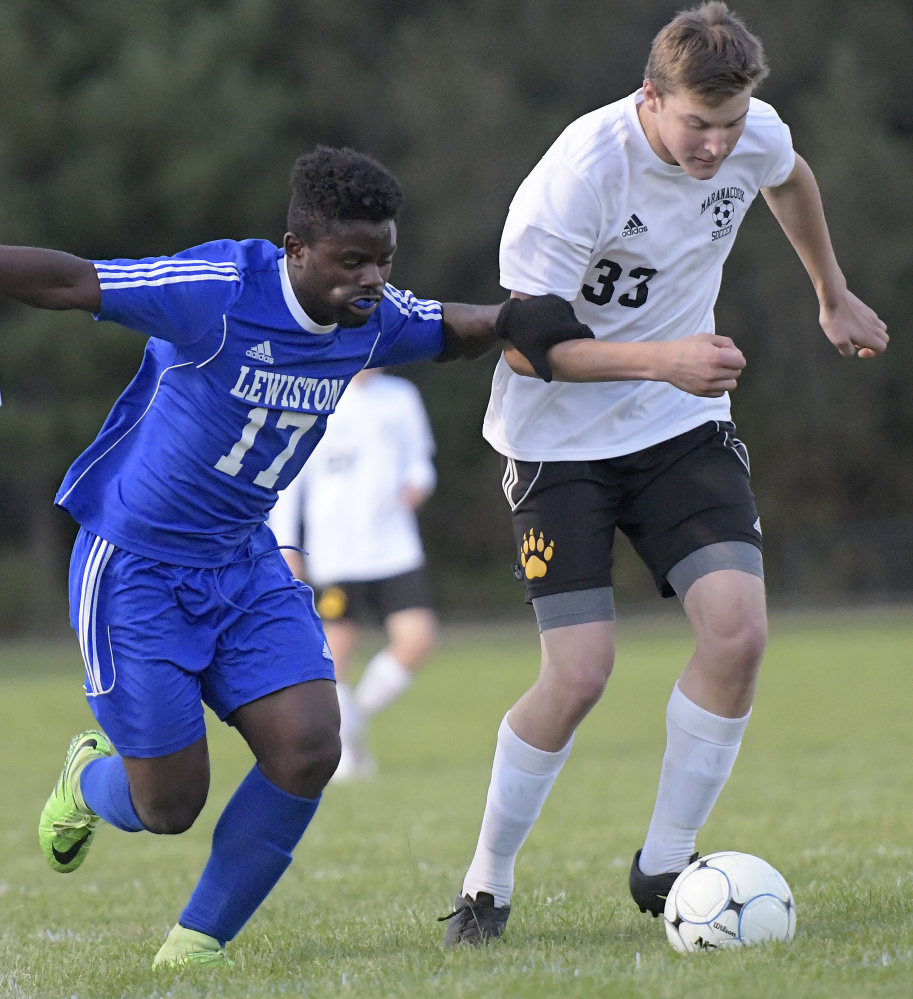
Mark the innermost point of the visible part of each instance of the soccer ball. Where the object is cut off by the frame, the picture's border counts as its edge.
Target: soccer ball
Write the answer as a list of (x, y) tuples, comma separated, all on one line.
[(728, 899)]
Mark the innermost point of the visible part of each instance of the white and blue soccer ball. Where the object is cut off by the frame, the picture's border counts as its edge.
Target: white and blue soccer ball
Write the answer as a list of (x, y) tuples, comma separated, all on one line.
[(729, 899)]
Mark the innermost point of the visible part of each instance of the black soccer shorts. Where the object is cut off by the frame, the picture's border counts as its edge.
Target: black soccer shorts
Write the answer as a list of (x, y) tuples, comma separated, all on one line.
[(373, 601), (670, 500)]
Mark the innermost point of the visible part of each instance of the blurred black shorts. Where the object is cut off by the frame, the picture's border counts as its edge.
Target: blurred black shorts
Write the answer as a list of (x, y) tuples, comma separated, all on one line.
[(372, 602)]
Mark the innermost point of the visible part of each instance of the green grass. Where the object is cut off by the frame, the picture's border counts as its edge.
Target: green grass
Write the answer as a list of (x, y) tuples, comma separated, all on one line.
[(823, 789)]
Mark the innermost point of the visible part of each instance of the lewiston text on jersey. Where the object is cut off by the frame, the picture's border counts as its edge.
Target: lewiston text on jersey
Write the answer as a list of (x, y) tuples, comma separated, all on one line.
[(231, 398)]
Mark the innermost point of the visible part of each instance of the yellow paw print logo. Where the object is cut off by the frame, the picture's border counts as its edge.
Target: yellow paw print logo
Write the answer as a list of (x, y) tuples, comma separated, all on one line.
[(535, 554)]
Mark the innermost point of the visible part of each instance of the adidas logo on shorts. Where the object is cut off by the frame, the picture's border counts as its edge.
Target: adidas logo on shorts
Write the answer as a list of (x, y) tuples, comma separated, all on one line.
[(262, 352)]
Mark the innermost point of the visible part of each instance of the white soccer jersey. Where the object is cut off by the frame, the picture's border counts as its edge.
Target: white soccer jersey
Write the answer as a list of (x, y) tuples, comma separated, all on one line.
[(637, 246), (348, 497)]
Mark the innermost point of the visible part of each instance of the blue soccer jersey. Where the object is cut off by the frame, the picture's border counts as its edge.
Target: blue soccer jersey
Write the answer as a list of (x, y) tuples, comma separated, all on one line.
[(231, 398)]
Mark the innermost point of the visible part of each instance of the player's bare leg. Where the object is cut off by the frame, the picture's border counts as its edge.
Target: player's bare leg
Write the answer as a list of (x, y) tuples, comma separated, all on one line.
[(168, 792), (534, 742), (412, 636), (576, 664), (728, 611), (706, 719), (294, 734)]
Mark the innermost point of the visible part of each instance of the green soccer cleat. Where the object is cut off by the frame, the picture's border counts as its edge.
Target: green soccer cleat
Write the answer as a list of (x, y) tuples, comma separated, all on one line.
[(183, 947), (67, 825)]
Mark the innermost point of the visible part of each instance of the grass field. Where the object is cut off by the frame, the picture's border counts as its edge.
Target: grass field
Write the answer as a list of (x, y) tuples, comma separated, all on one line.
[(823, 789)]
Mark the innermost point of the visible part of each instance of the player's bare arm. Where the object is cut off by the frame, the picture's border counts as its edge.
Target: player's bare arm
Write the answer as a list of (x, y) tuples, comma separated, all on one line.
[(49, 279), (848, 323), (532, 326), (703, 365), (469, 330)]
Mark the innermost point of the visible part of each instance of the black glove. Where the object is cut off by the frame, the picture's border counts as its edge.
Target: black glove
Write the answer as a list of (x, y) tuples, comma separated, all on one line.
[(534, 324)]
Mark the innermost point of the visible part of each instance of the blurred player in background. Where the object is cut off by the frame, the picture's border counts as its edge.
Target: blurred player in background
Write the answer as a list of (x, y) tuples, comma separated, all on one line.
[(355, 502), (630, 216)]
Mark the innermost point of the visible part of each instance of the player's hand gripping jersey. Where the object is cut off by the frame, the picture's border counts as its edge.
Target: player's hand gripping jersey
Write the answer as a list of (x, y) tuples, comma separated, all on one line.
[(232, 396), (637, 246)]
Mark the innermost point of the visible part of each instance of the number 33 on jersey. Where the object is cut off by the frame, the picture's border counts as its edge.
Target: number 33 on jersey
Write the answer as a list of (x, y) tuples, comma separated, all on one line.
[(637, 247)]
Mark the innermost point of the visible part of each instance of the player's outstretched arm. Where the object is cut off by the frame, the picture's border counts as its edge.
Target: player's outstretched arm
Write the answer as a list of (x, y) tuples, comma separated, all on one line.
[(469, 330), (49, 279), (532, 324), (546, 328), (704, 364), (848, 323)]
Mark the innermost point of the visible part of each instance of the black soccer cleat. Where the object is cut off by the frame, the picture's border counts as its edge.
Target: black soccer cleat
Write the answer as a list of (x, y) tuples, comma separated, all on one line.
[(474, 921), (650, 891)]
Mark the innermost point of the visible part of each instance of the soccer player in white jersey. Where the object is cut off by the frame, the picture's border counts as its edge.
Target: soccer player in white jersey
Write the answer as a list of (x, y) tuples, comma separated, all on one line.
[(355, 504), (178, 592), (629, 217)]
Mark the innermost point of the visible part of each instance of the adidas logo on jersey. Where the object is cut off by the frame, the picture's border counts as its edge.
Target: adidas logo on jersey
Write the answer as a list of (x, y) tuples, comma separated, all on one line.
[(633, 227), (262, 352)]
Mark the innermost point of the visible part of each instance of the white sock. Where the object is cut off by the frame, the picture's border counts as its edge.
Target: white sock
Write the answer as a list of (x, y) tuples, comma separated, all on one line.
[(521, 778), (700, 750), (384, 679), (350, 720)]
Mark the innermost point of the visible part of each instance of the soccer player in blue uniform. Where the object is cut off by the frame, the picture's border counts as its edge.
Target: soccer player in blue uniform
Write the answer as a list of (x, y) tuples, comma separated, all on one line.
[(179, 594)]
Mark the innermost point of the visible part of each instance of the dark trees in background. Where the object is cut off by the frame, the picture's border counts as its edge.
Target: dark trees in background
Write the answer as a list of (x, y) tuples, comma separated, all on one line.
[(136, 130)]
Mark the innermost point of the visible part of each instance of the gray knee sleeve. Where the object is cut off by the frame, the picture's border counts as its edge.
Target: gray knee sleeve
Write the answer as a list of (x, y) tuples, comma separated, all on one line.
[(558, 610), (724, 555)]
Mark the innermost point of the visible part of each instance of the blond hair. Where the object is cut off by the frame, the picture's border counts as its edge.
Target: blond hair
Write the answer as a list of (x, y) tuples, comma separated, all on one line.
[(707, 50)]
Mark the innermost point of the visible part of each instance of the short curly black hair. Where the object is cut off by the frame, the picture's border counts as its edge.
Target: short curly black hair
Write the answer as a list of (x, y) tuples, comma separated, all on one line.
[(336, 185)]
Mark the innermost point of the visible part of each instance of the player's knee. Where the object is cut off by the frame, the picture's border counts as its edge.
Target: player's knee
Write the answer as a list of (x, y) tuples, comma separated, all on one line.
[(321, 759), (413, 640), (749, 641), (587, 682), (739, 644), (171, 814), (754, 640), (426, 644), (305, 761)]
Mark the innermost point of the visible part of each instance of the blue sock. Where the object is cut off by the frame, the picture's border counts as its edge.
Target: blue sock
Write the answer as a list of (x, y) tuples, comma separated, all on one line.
[(251, 848), (106, 790)]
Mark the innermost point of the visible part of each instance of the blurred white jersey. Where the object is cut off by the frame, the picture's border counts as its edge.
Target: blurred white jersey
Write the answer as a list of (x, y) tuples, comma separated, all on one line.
[(637, 246), (347, 500)]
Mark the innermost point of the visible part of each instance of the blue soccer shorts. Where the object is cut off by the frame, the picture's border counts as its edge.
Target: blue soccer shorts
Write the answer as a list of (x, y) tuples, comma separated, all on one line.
[(160, 640)]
